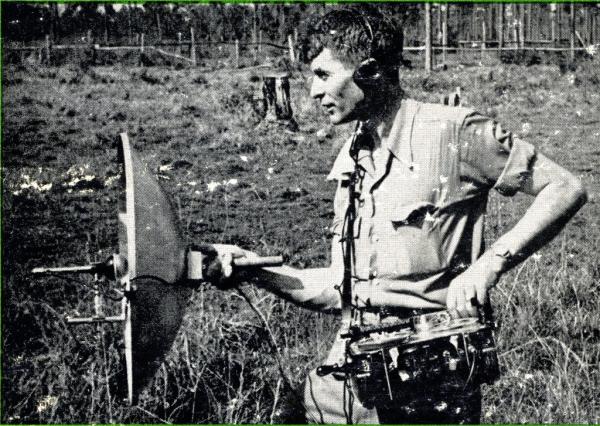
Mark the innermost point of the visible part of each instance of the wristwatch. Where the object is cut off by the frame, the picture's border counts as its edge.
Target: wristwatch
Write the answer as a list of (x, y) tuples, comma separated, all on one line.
[(502, 257)]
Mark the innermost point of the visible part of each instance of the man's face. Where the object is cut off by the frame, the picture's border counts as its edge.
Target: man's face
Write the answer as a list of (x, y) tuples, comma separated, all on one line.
[(334, 87)]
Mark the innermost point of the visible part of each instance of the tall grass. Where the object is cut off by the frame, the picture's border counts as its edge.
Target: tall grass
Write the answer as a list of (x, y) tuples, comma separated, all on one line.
[(224, 365)]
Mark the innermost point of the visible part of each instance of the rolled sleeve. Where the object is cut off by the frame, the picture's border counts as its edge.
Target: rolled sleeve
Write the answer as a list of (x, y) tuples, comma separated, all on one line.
[(493, 157)]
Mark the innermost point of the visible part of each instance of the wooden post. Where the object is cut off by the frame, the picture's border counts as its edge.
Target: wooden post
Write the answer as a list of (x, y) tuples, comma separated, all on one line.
[(511, 12), (445, 11), (428, 59), (572, 31), (528, 13), (105, 26), (259, 41), (521, 9), (142, 43), (192, 47), (158, 24), (483, 38), (594, 23), (254, 29), (553, 23), (276, 97), (89, 39), (137, 39), (559, 18), (291, 49), (47, 49), (178, 43), (237, 53), (438, 24), (129, 37), (500, 30)]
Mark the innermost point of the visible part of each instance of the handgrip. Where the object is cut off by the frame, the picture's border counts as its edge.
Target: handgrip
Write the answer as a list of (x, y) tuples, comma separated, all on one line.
[(324, 370), (259, 262)]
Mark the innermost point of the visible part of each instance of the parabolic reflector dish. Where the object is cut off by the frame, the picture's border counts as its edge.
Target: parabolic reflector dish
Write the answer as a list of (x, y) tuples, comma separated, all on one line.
[(150, 241)]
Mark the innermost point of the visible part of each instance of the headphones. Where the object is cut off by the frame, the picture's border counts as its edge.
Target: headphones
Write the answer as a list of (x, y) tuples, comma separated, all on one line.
[(368, 72)]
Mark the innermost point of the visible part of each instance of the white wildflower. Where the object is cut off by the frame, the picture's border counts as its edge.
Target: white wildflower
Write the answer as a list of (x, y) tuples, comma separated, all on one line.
[(592, 49), (46, 403), (212, 185), (231, 182), (192, 183), (578, 113), (165, 168), (557, 132), (270, 170), (526, 128), (110, 180), (244, 158)]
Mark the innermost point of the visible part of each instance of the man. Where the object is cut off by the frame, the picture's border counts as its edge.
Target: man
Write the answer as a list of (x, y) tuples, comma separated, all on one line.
[(421, 174)]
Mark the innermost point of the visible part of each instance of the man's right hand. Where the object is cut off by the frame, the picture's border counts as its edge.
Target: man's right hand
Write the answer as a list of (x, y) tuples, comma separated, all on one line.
[(218, 263)]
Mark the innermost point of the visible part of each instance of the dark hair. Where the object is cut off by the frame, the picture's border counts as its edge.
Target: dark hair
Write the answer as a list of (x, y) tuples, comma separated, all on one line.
[(354, 34)]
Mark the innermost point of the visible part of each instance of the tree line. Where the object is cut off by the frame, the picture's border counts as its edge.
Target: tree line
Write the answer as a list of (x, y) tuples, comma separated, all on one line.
[(111, 23)]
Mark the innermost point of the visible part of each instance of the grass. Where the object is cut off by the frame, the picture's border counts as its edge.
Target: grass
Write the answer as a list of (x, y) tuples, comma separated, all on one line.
[(60, 125)]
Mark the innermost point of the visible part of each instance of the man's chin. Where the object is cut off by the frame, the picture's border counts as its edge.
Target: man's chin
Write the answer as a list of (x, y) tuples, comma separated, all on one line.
[(337, 119)]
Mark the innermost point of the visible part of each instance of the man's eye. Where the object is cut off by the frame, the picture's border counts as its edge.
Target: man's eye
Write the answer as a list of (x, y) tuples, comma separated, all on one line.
[(321, 75)]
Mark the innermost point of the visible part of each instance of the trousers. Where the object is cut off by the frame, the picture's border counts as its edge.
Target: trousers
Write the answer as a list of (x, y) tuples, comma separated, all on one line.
[(332, 399)]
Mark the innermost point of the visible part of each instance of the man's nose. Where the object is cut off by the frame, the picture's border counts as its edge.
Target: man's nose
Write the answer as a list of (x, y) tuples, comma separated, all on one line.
[(316, 88)]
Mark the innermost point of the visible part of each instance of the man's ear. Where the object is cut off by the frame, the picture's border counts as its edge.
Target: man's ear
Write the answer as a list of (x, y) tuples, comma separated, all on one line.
[(368, 73)]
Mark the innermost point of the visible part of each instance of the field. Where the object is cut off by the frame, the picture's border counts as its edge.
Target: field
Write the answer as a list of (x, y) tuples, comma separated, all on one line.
[(238, 180)]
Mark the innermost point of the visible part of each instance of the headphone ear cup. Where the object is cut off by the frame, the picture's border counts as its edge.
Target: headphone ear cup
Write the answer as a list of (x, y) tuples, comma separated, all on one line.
[(368, 72)]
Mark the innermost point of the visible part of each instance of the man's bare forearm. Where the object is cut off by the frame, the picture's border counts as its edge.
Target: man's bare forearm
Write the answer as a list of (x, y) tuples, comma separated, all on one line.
[(552, 208), (310, 288)]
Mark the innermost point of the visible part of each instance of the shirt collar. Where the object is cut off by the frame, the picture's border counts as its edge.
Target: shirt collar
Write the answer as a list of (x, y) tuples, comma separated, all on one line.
[(343, 166)]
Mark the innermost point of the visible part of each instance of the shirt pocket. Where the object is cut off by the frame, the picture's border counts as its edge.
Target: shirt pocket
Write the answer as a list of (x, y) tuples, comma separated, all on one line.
[(409, 245)]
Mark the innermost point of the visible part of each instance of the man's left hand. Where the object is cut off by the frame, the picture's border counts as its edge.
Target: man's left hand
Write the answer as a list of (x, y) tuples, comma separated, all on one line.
[(470, 289)]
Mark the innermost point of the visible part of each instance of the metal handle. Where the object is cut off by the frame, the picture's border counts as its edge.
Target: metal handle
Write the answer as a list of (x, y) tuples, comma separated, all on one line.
[(259, 262)]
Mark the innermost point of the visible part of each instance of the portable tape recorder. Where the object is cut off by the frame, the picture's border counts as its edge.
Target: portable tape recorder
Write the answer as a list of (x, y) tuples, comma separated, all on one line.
[(418, 355)]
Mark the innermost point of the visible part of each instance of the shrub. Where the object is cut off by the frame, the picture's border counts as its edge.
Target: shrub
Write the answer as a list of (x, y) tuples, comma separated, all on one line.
[(520, 57)]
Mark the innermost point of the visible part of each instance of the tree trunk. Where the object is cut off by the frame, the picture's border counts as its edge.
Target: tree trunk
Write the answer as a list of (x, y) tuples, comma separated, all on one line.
[(276, 97)]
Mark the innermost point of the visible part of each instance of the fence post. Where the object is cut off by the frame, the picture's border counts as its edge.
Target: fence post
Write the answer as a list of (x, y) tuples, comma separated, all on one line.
[(428, 62), (483, 38), (500, 30), (192, 47), (572, 31), (48, 48), (179, 43), (237, 53), (521, 15), (553, 23), (142, 43), (291, 48), (445, 10), (259, 41)]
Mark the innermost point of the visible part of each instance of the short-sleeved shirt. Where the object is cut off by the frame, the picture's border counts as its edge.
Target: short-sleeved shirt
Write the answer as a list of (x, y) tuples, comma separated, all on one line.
[(422, 201)]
